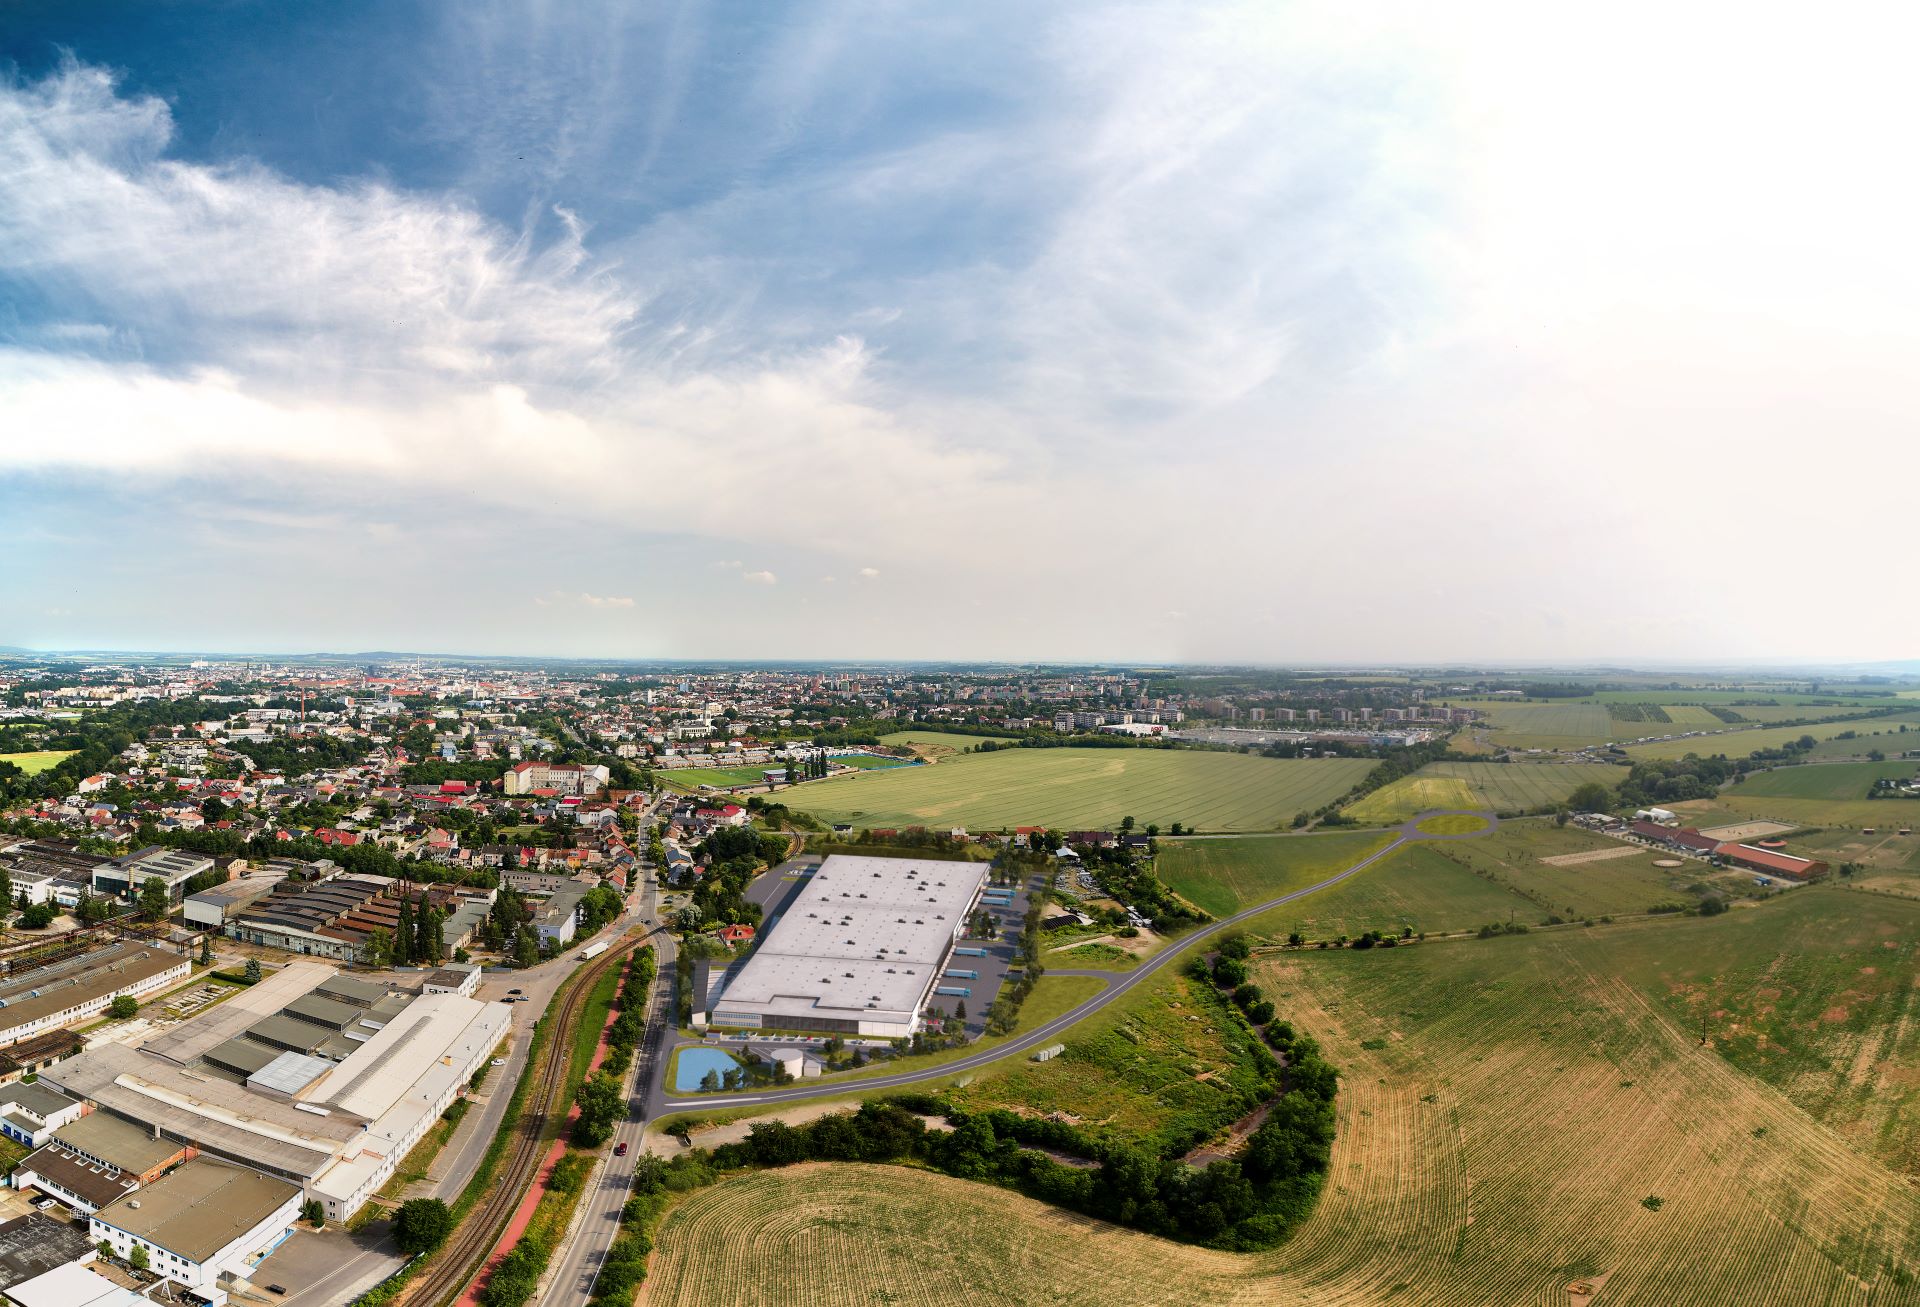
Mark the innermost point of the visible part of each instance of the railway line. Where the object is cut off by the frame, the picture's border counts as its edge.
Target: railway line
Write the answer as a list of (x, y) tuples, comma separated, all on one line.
[(459, 1261)]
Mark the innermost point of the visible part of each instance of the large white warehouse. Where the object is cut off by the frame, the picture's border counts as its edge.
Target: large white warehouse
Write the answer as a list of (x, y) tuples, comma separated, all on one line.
[(858, 951)]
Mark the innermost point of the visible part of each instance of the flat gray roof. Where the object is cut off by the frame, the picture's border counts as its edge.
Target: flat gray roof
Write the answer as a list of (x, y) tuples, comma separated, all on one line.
[(200, 1208), (122, 1143)]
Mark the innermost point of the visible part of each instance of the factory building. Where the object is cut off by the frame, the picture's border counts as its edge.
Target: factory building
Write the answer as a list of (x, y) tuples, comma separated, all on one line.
[(70, 990)]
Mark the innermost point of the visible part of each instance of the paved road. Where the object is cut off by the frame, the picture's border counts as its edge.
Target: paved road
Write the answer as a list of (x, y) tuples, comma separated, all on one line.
[(659, 1103), (577, 1264)]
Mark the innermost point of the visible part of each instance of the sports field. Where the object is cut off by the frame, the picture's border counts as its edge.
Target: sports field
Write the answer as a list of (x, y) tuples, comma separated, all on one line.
[(1516, 1116), (1503, 787), (687, 778), (1077, 789), (1224, 876), (38, 761)]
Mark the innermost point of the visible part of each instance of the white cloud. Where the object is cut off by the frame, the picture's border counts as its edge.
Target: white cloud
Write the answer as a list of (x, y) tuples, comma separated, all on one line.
[(581, 599), (760, 578), (869, 572)]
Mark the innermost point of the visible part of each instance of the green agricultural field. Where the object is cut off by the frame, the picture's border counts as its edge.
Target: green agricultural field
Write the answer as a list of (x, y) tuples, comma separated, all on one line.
[(1738, 742), (38, 761), (1840, 780), (937, 743), (1069, 789), (1561, 724), (1414, 887), (1513, 858), (1867, 736), (870, 761), (1224, 876), (1503, 787)]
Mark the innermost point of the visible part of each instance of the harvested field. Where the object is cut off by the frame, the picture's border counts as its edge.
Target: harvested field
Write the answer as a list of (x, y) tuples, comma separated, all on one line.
[(1502, 787), (1592, 855), (1738, 742)]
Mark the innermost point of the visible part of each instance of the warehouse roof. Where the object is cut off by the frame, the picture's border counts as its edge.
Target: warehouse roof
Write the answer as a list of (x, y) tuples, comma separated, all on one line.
[(351, 989), (861, 939), (32, 1245), (241, 1055), (200, 1208), (119, 1143), (287, 1033), (231, 1016), (1770, 860), (319, 1010)]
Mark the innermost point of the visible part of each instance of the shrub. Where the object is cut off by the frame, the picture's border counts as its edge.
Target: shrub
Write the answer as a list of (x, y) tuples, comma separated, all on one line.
[(421, 1225)]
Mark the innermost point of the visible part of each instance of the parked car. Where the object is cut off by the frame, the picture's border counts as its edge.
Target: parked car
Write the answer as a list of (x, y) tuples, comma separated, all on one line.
[(499, 1061), (513, 991), (43, 1204)]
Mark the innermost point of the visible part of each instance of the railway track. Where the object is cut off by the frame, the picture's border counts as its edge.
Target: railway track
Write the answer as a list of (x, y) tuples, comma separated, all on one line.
[(457, 1263)]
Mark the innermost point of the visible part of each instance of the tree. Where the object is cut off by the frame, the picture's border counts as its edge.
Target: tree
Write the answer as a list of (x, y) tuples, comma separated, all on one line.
[(421, 1225), (137, 1259), (154, 900), (313, 1212), (1126, 823), (252, 971), (601, 1104), (1591, 797), (123, 1006), (37, 916), (206, 950), (403, 932), (378, 950)]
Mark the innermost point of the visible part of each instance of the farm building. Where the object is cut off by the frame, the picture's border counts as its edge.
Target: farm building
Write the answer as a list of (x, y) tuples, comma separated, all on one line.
[(858, 951), (1685, 838), (1773, 863)]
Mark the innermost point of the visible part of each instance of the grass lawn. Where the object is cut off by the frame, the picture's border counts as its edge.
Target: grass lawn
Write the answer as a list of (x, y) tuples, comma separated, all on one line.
[(1224, 876), (870, 761), (1161, 1067), (38, 761), (1079, 789), (1504, 787)]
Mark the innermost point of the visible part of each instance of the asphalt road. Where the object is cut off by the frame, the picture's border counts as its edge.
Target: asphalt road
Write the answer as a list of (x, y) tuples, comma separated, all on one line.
[(659, 1103), (577, 1263)]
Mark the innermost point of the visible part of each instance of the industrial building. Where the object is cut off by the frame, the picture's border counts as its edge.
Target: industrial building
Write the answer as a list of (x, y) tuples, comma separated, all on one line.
[(213, 908), (325, 1081), (203, 1225), (72, 989), (329, 914), (124, 877), (858, 951), (29, 1113), (33, 1245)]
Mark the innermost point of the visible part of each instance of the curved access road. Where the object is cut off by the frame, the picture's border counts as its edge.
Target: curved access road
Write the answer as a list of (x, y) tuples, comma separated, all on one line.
[(659, 1103)]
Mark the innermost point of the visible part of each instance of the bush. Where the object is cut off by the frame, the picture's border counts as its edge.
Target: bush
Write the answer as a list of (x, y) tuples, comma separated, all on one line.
[(1229, 973), (124, 1006)]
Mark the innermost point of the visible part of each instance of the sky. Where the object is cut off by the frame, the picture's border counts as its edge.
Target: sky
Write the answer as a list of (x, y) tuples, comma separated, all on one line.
[(1187, 332)]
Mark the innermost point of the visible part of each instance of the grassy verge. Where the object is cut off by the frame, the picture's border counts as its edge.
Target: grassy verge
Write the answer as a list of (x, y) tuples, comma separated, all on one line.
[(593, 1020), (419, 1160)]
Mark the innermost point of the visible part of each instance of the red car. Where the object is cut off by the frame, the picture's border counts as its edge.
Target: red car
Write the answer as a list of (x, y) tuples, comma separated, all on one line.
[(620, 1149)]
